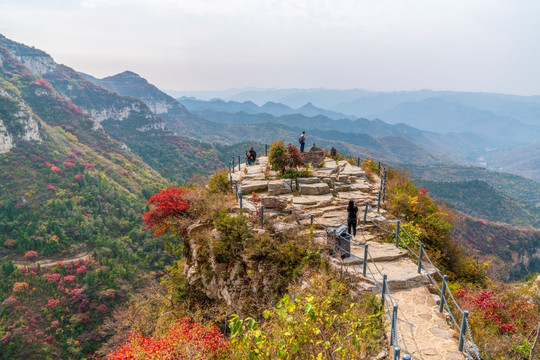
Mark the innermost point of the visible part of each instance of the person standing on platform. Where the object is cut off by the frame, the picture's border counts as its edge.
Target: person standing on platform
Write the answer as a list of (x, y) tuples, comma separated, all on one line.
[(352, 212), (302, 141)]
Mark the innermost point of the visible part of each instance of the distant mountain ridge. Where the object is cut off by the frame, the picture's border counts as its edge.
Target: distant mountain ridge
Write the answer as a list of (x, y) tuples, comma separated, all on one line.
[(249, 107)]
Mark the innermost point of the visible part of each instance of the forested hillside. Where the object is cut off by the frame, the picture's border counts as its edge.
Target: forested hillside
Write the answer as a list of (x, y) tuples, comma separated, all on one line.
[(479, 199)]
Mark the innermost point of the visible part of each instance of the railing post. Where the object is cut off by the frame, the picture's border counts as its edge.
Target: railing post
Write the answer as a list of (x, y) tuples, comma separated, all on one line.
[(383, 289), (312, 217), (358, 162), (265, 149), (379, 169), (443, 290), (236, 184), (262, 216), (233, 164), (240, 198), (398, 226), (238, 162), (463, 328), (365, 213), (406, 357), (397, 352), (420, 258), (393, 332), (379, 201), (230, 175), (382, 179), (365, 259)]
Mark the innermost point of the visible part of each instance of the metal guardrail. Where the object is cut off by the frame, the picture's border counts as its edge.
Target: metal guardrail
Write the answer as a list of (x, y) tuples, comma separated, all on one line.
[(465, 345)]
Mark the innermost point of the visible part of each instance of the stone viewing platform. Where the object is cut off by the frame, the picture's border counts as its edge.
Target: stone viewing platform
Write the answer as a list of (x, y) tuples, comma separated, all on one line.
[(325, 194)]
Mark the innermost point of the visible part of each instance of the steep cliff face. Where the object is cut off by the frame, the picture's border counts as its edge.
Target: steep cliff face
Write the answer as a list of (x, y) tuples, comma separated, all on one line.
[(17, 122)]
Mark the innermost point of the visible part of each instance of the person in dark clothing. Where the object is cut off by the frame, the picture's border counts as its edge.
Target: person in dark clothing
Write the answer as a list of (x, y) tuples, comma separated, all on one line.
[(333, 152), (251, 156), (302, 141), (352, 211)]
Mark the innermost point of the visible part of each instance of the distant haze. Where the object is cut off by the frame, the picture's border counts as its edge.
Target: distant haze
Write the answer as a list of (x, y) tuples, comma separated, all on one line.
[(383, 45)]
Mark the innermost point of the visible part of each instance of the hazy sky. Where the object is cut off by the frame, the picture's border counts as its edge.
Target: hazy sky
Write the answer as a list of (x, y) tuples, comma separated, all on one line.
[(470, 45)]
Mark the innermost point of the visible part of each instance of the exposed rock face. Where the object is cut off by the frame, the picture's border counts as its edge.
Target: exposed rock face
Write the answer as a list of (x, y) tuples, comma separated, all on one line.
[(20, 125), (236, 281), (6, 141), (39, 64)]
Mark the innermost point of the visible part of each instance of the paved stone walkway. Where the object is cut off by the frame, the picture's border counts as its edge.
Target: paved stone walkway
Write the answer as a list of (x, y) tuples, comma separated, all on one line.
[(422, 330)]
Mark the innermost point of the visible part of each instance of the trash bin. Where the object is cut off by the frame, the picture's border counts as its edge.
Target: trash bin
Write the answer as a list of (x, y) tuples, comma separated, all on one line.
[(340, 241)]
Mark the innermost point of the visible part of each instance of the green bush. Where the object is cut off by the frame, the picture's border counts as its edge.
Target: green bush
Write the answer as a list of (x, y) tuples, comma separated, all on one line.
[(219, 182), (277, 156), (234, 231), (321, 322), (294, 174)]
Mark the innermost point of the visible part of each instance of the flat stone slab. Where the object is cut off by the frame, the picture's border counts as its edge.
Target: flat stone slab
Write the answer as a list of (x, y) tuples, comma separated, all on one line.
[(353, 195), (314, 189), (250, 186), (309, 180), (402, 273), (312, 200), (379, 251)]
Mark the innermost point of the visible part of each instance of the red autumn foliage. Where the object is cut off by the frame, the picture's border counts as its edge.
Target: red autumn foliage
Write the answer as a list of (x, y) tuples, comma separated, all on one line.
[(294, 157), (56, 170), (185, 340), (50, 187), (69, 278), (52, 277), (81, 269), (90, 166), (423, 191), (171, 204), (68, 164), (79, 177), (31, 255), (53, 303), (505, 315), (20, 286)]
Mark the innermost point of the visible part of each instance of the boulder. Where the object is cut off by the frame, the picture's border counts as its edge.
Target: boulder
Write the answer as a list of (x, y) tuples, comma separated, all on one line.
[(273, 202), (314, 189), (283, 186), (315, 155)]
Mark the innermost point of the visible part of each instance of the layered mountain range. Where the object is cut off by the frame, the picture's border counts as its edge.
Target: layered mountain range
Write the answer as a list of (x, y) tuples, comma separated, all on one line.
[(79, 157)]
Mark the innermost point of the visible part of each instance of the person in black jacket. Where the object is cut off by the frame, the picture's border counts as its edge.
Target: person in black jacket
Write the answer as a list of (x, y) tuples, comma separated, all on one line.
[(352, 211), (251, 156)]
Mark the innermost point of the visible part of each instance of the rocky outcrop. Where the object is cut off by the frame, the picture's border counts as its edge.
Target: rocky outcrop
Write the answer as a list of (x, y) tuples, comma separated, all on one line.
[(40, 64), (21, 124), (6, 141)]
